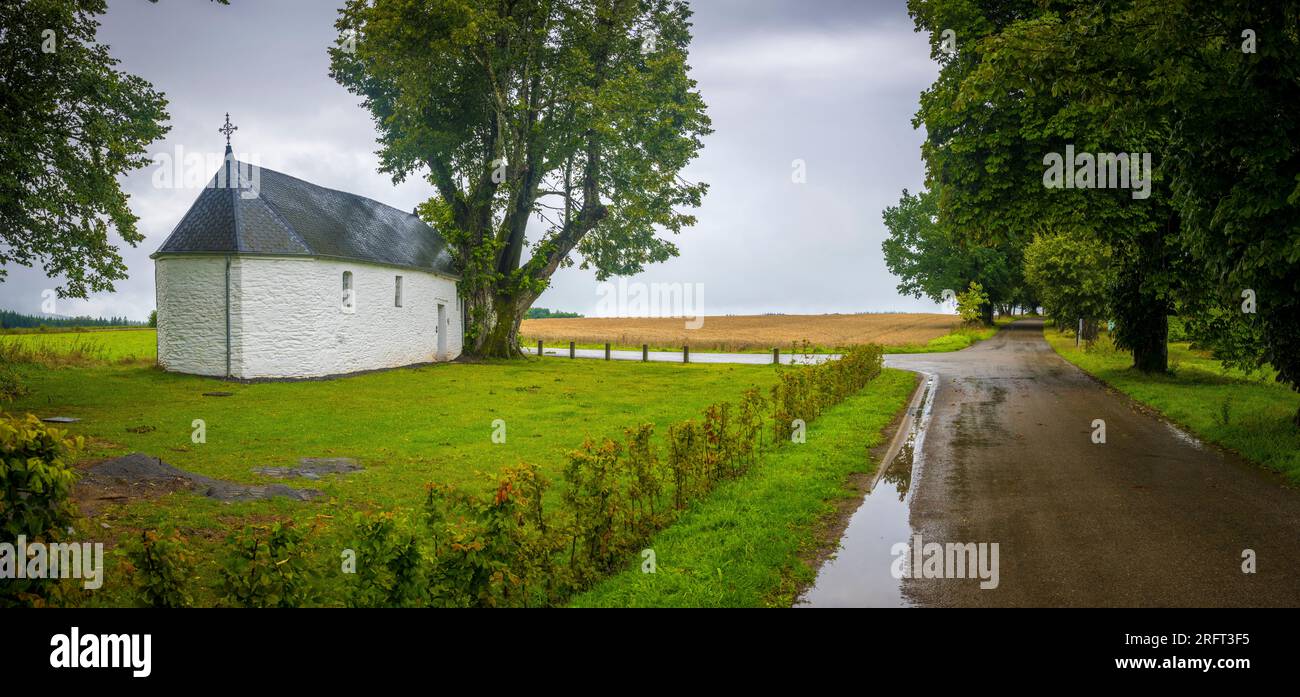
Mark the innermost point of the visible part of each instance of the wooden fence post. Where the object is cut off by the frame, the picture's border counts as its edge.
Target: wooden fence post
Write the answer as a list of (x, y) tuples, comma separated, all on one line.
[(686, 354), (776, 356), (606, 350), (571, 353), (539, 348), (645, 352)]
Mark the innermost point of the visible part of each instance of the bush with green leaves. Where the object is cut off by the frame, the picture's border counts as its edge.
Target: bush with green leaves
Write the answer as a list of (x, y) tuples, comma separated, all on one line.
[(159, 566), (645, 480), (683, 455), (268, 567), (11, 385), (1073, 275), (390, 566), (496, 550), (36, 479), (971, 304), (595, 502)]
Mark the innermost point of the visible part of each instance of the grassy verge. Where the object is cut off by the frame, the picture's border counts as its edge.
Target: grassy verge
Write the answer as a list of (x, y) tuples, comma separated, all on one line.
[(956, 341), (745, 545), (1247, 414)]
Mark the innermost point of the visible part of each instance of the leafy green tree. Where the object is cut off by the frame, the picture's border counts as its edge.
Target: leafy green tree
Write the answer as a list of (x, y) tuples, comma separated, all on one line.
[(575, 116), (1231, 68), (930, 259), (971, 303), (1210, 86), (1027, 81), (72, 125), (1073, 276)]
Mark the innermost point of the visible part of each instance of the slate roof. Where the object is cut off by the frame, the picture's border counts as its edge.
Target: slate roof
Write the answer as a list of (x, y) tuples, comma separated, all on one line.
[(289, 216)]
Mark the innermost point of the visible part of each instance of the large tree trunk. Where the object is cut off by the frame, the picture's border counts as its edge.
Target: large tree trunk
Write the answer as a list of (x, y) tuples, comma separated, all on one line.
[(1142, 312), (1090, 329), (1150, 343), (493, 324)]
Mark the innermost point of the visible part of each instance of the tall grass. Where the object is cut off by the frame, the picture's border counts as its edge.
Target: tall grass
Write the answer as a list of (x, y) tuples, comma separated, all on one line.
[(80, 351)]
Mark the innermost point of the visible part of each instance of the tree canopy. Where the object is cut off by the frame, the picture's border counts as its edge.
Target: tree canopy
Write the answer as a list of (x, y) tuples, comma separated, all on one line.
[(72, 125), (573, 117), (1206, 88), (1073, 276), (930, 259)]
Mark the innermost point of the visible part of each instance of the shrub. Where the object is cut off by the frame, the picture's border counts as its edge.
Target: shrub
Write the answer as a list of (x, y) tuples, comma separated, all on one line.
[(268, 568), (596, 502), (1178, 330), (157, 565), (971, 302), (683, 456), (749, 424), (1103, 345), (792, 398), (645, 487), (494, 551), (719, 443), (11, 385), (390, 568), (36, 479)]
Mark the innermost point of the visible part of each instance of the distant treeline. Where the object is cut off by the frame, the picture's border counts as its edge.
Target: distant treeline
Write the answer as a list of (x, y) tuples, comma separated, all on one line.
[(15, 320), (544, 313)]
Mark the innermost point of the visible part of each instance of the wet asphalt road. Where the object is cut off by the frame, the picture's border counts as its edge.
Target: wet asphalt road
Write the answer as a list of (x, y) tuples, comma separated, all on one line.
[(1149, 518)]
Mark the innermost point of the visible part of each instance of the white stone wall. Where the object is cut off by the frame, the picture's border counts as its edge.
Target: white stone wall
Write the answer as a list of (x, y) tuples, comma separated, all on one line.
[(288, 321), (291, 321), (191, 314)]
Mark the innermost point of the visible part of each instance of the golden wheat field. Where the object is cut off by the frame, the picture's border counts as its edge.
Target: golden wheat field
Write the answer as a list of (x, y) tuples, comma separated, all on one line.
[(744, 332)]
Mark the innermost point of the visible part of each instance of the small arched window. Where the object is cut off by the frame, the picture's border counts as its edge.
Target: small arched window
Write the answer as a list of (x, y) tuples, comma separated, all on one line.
[(349, 296)]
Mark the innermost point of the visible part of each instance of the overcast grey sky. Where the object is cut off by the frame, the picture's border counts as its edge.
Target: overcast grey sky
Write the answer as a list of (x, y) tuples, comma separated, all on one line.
[(831, 82)]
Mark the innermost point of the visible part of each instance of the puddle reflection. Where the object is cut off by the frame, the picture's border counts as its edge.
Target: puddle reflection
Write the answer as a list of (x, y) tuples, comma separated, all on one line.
[(859, 575)]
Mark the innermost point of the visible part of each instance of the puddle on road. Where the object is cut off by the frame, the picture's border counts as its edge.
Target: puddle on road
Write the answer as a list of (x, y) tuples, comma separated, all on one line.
[(1184, 436), (859, 575)]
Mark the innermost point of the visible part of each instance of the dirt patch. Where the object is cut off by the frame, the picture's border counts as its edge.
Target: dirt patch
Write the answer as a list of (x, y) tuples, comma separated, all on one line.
[(312, 468), (139, 476)]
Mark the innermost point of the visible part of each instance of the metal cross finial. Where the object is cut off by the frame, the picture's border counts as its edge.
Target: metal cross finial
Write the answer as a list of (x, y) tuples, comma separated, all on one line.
[(227, 129)]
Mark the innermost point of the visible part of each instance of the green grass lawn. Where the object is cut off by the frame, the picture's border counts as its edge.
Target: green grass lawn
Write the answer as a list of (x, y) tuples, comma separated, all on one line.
[(746, 544), (1248, 414), (407, 427)]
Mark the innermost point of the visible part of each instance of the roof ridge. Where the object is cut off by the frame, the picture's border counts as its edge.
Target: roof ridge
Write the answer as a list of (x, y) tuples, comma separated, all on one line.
[(235, 206), (337, 191)]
